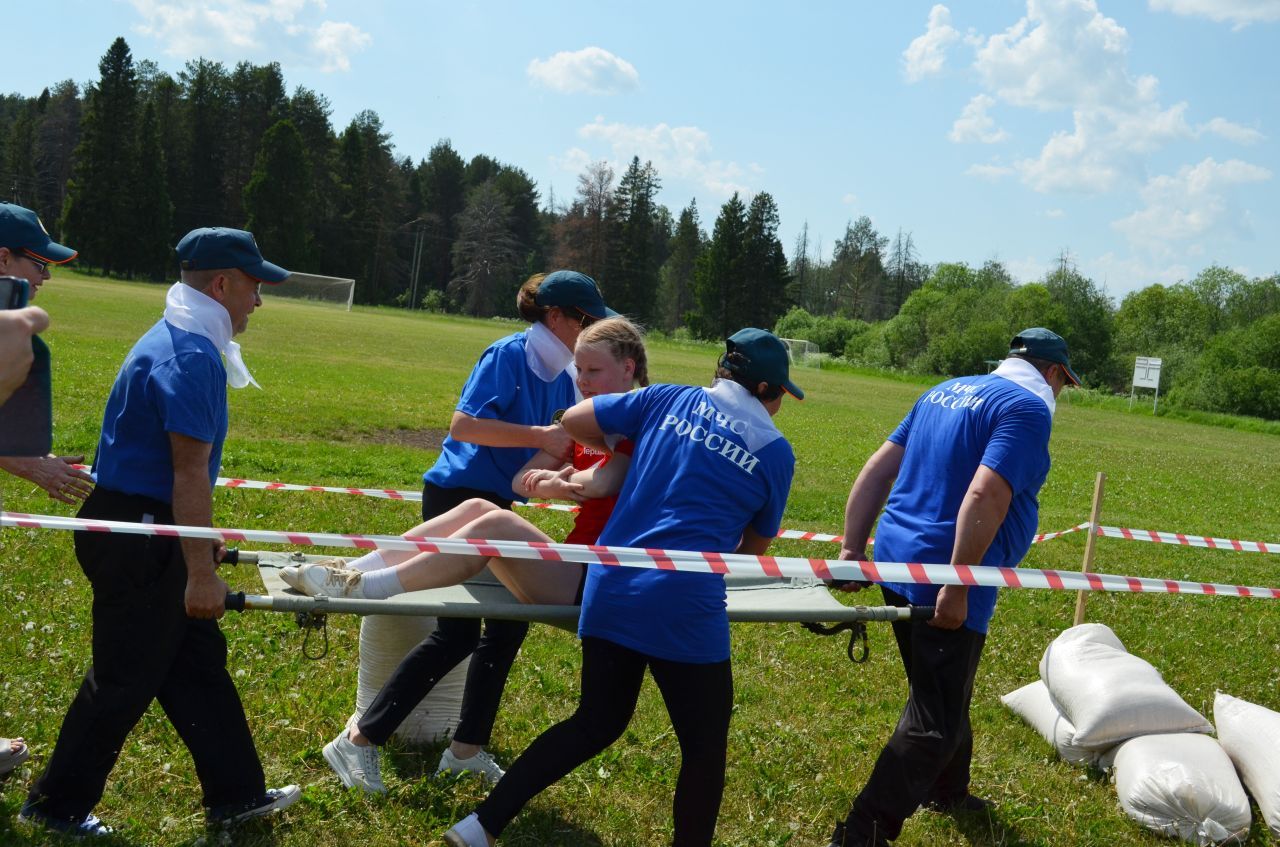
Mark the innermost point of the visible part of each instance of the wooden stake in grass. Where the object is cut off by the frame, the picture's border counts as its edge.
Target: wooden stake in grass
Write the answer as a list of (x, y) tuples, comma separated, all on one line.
[(1087, 567)]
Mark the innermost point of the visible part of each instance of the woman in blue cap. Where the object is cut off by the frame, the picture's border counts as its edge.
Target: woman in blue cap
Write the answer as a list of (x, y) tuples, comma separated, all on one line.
[(507, 412), (709, 472)]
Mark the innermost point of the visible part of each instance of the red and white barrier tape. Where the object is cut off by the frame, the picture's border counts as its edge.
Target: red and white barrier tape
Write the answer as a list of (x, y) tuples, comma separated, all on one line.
[(1189, 540), (416, 497), (678, 560), (797, 534)]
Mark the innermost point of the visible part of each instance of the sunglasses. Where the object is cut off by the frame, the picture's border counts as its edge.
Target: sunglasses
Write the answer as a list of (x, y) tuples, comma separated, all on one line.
[(40, 264)]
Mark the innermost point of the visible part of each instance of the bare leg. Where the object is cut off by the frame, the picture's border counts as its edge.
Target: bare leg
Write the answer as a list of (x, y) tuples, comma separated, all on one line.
[(441, 526), (436, 570), (536, 581)]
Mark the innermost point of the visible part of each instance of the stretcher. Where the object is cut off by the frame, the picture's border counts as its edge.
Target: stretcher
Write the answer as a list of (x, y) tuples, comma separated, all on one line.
[(749, 599)]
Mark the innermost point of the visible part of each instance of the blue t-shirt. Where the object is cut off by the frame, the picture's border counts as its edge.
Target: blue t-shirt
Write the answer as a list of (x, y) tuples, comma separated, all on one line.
[(501, 387), (955, 427), (171, 381), (707, 464)]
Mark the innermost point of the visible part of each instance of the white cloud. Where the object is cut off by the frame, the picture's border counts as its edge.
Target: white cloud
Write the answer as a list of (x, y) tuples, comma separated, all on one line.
[(989, 172), (678, 152), (1062, 54), (236, 29), (927, 53), (1240, 13), (1232, 131), (1026, 270), (849, 199), (335, 42), (590, 70), (574, 160), (1187, 206), (974, 124), (1121, 275), (1054, 213)]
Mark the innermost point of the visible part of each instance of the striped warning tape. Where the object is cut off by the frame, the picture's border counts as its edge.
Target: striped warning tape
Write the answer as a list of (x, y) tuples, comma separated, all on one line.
[(1189, 540), (674, 560), (796, 534)]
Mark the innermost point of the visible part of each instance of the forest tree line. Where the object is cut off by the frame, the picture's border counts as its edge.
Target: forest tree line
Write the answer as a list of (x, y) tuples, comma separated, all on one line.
[(123, 167)]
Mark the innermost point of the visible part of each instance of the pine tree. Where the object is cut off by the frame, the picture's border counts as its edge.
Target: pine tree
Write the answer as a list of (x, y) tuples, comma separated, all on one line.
[(486, 253), (444, 196), (631, 279), (277, 199), (199, 200), (766, 277), (256, 101), (719, 311), (100, 214), (56, 138), (675, 298), (153, 210)]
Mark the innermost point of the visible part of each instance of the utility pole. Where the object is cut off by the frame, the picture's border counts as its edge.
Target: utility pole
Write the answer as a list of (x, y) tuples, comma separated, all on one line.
[(416, 264)]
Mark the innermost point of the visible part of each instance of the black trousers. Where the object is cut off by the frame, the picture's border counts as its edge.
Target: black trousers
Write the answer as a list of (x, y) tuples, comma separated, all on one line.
[(699, 699), (927, 757), (146, 648), (454, 639)]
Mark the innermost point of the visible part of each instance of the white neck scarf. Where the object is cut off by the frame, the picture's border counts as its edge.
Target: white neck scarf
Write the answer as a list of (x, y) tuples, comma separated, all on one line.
[(198, 313), (1022, 373), (546, 355), (738, 403)]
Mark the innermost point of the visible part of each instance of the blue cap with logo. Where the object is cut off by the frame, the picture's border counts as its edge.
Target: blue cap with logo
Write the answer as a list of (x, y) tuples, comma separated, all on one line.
[(21, 229), (217, 247), (574, 289), (761, 357), (1041, 343)]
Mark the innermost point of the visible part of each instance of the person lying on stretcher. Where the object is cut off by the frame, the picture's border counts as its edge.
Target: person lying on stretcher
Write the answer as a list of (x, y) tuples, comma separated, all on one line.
[(610, 358)]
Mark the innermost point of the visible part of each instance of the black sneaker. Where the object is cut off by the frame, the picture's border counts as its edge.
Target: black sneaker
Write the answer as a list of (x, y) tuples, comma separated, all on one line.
[(967, 803), (237, 813), (88, 827)]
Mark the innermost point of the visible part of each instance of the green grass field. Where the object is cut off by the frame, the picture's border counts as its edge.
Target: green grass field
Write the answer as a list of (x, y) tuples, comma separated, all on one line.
[(349, 395)]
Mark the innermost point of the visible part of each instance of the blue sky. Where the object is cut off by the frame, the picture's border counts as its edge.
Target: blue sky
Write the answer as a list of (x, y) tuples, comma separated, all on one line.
[(1141, 135)]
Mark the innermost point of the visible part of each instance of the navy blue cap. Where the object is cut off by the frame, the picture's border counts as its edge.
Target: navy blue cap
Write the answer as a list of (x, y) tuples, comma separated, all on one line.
[(1041, 343), (217, 247), (20, 229), (764, 358), (570, 288)]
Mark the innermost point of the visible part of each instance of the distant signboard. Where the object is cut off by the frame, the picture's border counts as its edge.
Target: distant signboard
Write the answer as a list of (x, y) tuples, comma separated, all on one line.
[(1146, 373)]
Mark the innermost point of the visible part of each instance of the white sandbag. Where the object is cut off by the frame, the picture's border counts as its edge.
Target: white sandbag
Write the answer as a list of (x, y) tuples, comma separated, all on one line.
[(384, 641), (1251, 736), (1183, 786), (1108, 694), (1032, 703)]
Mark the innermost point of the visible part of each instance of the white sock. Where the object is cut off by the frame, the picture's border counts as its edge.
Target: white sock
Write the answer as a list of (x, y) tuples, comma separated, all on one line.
[(471, 831), (381, 584), (368, 562)]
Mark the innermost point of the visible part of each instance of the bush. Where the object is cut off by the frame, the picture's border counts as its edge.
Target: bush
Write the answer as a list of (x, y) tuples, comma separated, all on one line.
[(436, 301)]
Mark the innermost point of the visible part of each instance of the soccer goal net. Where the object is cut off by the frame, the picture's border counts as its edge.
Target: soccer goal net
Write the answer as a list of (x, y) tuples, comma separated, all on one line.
[(323, 289), (803, 353)]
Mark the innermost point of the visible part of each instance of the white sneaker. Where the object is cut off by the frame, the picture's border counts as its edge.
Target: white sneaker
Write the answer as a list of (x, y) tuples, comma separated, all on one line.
[(467, 833), (356, 766), (481, 764), (316, 580), (291, 574)]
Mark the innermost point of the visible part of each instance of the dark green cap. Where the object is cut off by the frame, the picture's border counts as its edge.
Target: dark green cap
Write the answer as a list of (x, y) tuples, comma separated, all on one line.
[(763, 358), (1041, 343), (571, 288), (21, 229)]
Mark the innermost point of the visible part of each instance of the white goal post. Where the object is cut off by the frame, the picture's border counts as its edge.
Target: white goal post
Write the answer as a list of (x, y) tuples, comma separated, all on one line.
[(323, 289), (803, 353)]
